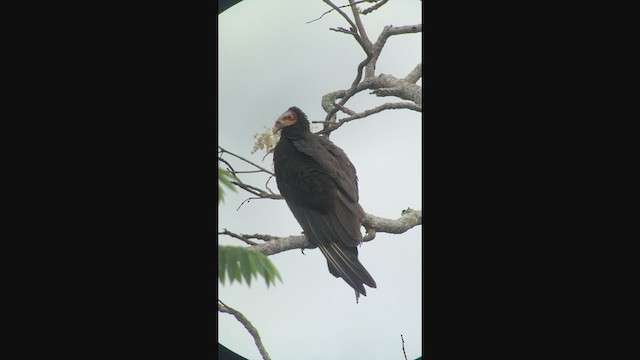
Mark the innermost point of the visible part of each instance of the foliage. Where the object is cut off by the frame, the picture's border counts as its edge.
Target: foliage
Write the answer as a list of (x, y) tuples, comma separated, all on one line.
[(265, 140), (224, 179), (239, 262)]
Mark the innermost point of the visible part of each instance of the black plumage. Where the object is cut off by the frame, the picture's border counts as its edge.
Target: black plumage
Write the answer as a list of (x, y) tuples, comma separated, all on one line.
[(320, 187)]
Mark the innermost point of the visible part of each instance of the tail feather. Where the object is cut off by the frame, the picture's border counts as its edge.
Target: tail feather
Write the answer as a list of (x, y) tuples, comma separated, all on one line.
[(344, 263)]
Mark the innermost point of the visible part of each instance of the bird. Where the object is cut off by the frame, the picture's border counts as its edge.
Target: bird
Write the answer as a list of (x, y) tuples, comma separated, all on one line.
[(320, 186)]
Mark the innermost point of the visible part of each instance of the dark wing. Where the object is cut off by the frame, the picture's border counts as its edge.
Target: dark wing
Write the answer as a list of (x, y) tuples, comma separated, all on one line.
[(339, 174), (320, 186)]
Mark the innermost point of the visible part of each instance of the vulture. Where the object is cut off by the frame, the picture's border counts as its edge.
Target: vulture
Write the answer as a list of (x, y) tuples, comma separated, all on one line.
[(320, 186)]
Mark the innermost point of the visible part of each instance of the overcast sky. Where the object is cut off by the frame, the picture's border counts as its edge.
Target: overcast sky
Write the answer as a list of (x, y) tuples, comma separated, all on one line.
[(270, 60)]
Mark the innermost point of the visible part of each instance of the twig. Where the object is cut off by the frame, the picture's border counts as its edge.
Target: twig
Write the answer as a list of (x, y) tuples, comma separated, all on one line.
[(247, 200), (355, 115), (245, 237), (248, 171), (328, 11), (222, 307), (374, 7), (243, 159), (256, 191), (237, 236), (269, 152), (336, 8), (266, 185), (229, 165), (405, 354)]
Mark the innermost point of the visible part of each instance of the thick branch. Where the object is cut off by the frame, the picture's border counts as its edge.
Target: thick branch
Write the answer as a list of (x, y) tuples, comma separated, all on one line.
[(402, 89), (222, 307), (410, 219), (387, 31), (414, 75), (383, 85)]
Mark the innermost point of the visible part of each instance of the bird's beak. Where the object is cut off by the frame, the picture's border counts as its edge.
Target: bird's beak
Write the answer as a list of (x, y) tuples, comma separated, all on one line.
[(277, 126)]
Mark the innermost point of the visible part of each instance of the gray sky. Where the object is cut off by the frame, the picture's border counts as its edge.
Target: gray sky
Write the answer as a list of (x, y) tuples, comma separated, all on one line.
[(270, 60)]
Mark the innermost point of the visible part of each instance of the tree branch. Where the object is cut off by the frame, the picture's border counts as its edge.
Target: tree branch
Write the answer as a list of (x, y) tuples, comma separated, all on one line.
[(249, 188), (245, 237), (359, 25), (409, 219), (366, 46), (377, 109), (245, 160), (414, 75), (256, 191), (374, 7), (328, 11), (383, 85), (405, 354), (336, 8), (222, 307)]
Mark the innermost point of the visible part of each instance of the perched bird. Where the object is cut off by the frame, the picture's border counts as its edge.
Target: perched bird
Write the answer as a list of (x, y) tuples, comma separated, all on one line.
[(320, 186)]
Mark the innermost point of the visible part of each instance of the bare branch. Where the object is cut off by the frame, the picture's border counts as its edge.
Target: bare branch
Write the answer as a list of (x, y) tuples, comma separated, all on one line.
[(374, 7), (261, 194), (383, 85), (409, 219), (248, 171), (359, 25), (222, 307), (237, 236), (414, 75), (374, 224), (328, 11), (284, 244), (403, 89), (245, 237), (388, 31), (266, 185), (247, 200), (256, 191), (405, 354), (245, 160), (355, 115), (336, 8), (343, 30), (345, 110)]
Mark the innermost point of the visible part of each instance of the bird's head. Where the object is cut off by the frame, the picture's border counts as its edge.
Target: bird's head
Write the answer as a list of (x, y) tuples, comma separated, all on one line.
[(293, 116)]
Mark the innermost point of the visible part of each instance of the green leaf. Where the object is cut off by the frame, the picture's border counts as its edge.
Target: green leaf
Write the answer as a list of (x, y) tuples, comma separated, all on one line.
[(241, 262), (271, 272), (245, 265), (232, 264), (224, 178), (222, 264)]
